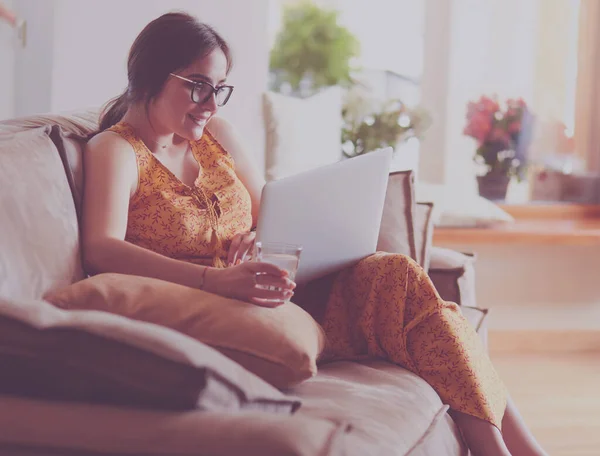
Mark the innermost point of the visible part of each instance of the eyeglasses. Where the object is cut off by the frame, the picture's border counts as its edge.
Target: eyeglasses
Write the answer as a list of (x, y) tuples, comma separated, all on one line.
[(202, 91)]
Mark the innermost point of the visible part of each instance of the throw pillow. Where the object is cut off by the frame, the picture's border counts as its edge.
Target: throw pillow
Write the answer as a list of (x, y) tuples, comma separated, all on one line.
[(96, 357), (460, 208), (280, 345), (40, 244), (70, 131), (397, 232), (302, 133), (423, 228)]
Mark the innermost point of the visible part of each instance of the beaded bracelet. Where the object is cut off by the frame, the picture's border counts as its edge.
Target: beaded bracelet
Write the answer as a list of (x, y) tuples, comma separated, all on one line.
[(202, 277)]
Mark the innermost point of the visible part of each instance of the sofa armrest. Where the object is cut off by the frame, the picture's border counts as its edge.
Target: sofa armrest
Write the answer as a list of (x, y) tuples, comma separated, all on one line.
[(453, 274)]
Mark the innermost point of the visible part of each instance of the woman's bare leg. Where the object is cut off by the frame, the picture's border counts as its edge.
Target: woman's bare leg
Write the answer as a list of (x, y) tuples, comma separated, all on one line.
[(518, 438), (484, 439)]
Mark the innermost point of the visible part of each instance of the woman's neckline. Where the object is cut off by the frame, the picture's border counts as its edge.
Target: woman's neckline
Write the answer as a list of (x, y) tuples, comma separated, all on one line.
[(191, 145)]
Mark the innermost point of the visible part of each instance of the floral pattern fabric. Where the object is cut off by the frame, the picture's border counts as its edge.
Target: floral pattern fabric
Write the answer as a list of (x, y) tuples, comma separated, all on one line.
[(191, 223), (387, 307)]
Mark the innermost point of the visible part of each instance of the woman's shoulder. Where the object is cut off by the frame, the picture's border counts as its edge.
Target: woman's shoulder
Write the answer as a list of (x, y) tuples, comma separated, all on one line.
[(112, 139), (225, 134), (219, 127), (110, 145)]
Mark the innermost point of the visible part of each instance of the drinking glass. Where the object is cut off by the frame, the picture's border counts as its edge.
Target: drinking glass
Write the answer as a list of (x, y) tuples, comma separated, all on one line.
[(285, 256)]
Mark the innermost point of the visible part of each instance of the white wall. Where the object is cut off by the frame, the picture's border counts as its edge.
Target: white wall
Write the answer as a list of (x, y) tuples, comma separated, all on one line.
[(7, 67), (33, 65), (81, 59)]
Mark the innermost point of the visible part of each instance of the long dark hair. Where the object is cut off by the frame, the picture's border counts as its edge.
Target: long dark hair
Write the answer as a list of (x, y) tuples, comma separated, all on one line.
[(167, 44)]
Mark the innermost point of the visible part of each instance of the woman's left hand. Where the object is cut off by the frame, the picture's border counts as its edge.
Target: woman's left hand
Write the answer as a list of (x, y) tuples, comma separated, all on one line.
[(241, 247)]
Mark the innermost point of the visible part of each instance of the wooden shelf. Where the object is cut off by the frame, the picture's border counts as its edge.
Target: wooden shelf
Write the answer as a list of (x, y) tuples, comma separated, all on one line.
[(558, 224)]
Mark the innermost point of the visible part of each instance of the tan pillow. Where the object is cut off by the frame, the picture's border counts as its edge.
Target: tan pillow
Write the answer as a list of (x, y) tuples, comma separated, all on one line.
[(397, 233), (280, 345), (423, 227)]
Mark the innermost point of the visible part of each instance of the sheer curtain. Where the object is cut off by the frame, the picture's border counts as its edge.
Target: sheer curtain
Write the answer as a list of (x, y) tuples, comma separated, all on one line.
[(508, 48), (587, 112)]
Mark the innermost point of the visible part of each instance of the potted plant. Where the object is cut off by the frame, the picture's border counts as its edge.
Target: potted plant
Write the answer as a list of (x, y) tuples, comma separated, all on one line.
[(502, 133), (370, 124), (312, 50)]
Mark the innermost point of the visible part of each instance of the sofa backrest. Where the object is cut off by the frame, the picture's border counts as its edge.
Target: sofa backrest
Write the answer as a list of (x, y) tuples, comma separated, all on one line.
[(69, 133), (41, 180)]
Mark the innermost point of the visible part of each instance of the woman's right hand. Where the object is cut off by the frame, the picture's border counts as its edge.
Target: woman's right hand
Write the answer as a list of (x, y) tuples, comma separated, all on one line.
[(244, 282)]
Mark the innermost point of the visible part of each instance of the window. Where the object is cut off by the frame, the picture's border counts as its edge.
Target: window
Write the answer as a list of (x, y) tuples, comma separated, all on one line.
[(444, 54), (514, 49)]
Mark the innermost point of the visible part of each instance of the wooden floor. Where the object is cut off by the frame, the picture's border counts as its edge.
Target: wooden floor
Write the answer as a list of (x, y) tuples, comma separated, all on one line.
[(558, 396)]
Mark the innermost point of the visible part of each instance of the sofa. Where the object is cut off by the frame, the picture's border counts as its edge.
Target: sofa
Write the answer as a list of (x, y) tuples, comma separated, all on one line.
[(348, 408)]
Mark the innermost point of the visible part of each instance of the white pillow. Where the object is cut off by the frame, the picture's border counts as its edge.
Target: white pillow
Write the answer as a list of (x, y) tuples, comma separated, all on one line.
[(302, 133), (457, 207)]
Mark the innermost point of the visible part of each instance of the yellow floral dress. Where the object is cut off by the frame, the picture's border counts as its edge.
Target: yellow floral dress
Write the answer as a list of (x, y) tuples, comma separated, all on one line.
[(190, 223), (385, 306)]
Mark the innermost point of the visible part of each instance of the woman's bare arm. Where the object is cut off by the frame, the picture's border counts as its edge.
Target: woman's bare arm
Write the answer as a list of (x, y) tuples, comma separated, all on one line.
[(110, 179)]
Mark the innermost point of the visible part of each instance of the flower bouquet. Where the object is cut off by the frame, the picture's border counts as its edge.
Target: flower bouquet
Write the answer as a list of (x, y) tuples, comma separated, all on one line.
[(502, 133)]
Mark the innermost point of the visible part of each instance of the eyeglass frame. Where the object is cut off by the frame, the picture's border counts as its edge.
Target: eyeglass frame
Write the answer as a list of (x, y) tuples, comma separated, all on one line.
[(213, 93)]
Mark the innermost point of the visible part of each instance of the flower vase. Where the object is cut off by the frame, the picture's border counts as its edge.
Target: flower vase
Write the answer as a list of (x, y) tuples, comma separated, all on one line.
[(493, 186)]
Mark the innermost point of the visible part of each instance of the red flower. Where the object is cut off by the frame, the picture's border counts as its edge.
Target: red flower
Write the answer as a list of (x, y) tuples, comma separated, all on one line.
[(501, 136), (489, 105), (514, 127), (487, 123)]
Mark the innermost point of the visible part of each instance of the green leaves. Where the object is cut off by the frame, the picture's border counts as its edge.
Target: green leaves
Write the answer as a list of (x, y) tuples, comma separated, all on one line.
[(381, 127), (312, 44)]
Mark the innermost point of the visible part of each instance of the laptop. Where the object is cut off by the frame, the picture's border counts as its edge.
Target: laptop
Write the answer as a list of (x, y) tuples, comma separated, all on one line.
[(334, 212)]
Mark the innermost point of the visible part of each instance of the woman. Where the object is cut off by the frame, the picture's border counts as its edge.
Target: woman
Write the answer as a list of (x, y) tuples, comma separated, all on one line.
[(171, 193)]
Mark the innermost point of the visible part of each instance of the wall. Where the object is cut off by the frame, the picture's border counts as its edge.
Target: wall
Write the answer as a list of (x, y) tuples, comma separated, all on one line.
[(33, 64), (7, 67), (78, 57)]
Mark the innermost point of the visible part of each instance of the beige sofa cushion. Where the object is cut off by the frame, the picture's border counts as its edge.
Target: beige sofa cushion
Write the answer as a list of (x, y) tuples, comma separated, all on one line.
[(96, 357), (40, 245), (281, 345), (453, 274), (391, 410), (397, 232)]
